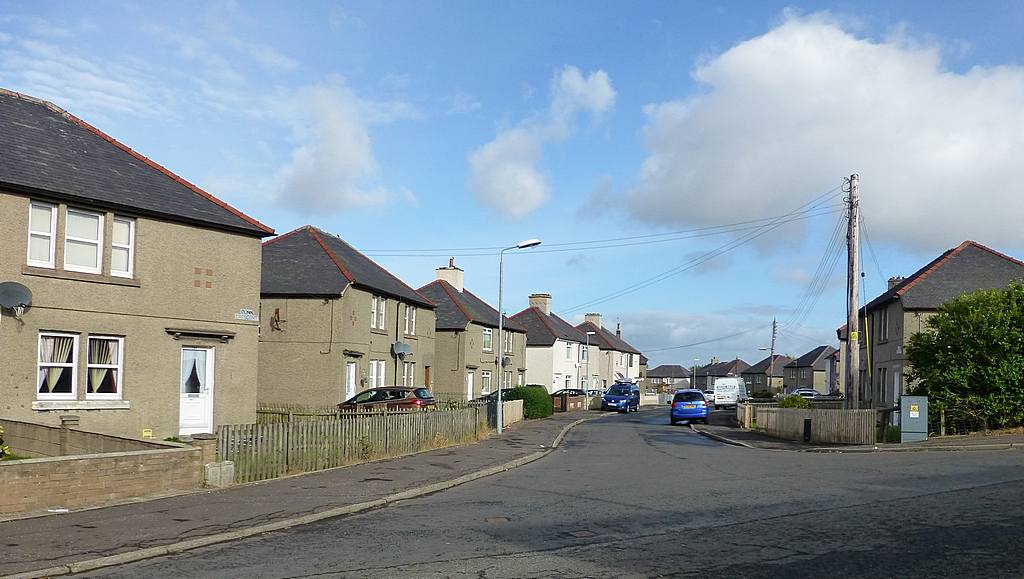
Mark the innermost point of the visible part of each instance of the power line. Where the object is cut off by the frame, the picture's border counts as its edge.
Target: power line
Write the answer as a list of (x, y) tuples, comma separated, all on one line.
[(775, 224), (819, 282), (703, 342)]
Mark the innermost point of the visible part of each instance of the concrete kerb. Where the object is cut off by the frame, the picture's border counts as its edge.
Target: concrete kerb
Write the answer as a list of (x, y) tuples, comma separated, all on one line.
[(719, 438), (181, 546)]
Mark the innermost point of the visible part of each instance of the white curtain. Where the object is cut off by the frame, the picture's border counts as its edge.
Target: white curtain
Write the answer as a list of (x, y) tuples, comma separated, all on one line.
[(193, 371), (100, 352), (53, 350)]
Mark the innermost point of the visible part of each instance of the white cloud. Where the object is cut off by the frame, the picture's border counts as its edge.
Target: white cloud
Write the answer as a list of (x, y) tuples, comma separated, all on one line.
[(784, 116), (332, 166), (504, 173), (5, 38)]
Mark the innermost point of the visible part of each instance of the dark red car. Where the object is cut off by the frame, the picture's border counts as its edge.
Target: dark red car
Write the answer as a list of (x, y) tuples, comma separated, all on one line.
[(391, 398)]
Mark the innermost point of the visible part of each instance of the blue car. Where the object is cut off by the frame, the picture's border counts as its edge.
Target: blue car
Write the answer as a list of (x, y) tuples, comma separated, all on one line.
[(624, 397), (689, 405)]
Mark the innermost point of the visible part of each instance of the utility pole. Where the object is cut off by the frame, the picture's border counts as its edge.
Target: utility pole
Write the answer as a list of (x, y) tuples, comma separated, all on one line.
[(852, 281), (771, 356)]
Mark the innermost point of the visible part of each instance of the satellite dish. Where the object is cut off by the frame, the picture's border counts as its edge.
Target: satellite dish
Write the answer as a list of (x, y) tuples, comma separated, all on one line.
[(401, 349), (14, 296)]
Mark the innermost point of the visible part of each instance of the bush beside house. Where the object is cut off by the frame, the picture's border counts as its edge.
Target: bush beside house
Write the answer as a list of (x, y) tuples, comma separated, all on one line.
[(536, 401)]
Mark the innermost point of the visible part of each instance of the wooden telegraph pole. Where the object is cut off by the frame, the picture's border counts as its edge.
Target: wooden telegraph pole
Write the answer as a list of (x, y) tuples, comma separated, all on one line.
[(852, 281)]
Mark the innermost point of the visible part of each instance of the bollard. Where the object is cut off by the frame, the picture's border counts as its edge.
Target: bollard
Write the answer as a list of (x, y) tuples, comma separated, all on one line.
[(807, 429)]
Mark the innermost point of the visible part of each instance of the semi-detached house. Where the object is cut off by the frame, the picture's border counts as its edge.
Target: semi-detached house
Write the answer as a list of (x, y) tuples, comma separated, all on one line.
[(333, 322), (556, 352), (617, 359), (466, 344), (144, 287)]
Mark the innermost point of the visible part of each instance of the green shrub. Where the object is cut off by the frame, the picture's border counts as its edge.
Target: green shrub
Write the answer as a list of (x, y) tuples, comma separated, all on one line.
[(4, 449), (794, 401), (762, 395), (892, 434), (536, 401)]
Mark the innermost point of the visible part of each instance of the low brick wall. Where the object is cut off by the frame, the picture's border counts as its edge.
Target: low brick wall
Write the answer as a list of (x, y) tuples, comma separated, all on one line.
[(104, 469)]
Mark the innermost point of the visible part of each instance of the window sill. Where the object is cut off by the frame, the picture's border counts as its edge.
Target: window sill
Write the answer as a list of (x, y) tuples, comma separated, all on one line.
[(75, 276), (81, 405), (378, 331)]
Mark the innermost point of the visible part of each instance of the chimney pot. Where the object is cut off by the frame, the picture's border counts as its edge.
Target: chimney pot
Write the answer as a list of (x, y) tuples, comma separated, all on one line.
[(451, 274)]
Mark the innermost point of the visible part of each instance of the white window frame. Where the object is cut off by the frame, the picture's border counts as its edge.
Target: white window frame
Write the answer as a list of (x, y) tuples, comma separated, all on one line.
[(509, 341), (488, 340), (519, 379), (412, 332), (408, 373), (485, 380), (568, 381), (410, 320), (373, 312), (73, 366), (119, 368), (568, 350), (584, 353), (377, 369), (98, 242), (507, 379), (52, 235), (130, 247), (583, 383), (382, 313)]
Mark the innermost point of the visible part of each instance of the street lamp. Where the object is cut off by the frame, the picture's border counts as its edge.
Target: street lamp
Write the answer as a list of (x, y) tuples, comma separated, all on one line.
[(586, 391), (693, 377), (498, 366)]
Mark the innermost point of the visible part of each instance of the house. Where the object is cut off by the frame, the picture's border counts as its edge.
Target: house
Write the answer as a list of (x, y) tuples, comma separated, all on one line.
[(144, 286), (333, 322), (668, 377), (901, 311), (766, 374), (557, 354), (704, 378), (618, 360), (466, 340), (643, 367), (812, 370)]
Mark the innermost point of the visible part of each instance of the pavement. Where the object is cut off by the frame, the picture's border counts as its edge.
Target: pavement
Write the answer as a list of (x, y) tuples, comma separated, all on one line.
[(79, 541), (722, 427)]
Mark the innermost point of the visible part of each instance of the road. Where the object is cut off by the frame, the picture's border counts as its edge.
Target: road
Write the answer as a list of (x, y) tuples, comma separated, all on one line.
[(632, 496)]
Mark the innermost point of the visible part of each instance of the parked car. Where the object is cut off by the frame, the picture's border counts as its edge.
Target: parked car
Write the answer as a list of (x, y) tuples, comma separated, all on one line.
[(569, 392), (622, 396), (689, 405), (807, 393), (730, 391), (493, 396), (709, 395), (391, 398)]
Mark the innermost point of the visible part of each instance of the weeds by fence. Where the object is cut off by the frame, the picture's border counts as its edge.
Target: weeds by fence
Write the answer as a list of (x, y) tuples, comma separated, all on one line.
[(313, 441)]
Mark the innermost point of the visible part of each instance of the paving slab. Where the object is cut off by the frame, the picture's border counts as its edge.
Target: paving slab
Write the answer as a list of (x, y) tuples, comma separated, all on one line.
[(58, 540)]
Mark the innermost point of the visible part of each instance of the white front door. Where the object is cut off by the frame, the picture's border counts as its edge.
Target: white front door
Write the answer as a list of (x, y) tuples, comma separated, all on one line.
[(350, 380), (469, 385), (195, 412)]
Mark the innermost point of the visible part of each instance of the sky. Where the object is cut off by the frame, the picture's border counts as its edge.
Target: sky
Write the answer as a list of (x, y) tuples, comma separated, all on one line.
[(682, 162)]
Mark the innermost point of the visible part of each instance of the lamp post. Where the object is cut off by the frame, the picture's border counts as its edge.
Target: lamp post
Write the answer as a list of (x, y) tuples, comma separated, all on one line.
[(693, 378), (499, 367), (586, 391)]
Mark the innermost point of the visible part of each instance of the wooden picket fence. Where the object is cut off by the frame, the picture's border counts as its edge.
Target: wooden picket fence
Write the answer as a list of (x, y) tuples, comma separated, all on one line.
[(827, 426), (277, 413), (311, 443)]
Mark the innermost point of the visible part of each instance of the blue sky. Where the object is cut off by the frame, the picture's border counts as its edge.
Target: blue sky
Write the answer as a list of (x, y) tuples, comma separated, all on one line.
[(410, 127)]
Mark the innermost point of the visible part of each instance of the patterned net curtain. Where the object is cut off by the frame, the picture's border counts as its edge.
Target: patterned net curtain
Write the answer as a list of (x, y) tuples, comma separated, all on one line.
[(102, 353), (55, 350)]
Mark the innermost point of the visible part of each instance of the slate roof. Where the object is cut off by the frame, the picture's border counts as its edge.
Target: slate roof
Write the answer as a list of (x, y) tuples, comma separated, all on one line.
[(762, 366), (456, 310), (605, 339), (311, 262), (722, 369), (966, 268), (816, 358), (668, 371), (544, 329), (49, 153)]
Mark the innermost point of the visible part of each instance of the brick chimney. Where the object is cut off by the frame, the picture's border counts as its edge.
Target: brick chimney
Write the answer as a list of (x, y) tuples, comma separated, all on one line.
[(593, 319), (451, 274), (894, 281), (542, 302)]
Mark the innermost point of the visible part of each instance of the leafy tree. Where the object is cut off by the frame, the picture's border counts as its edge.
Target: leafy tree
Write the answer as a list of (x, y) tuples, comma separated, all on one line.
[(973, 356)]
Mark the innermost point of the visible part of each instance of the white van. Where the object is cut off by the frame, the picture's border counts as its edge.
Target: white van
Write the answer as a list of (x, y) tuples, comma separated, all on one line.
[(729, 391)]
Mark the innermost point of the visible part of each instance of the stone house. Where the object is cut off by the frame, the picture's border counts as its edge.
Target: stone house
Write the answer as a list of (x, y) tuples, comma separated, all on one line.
[(618, 360), (466, 342), (812, 370), (668, 377), (333, 322), (766, 374), (144, 287), (704, 378)]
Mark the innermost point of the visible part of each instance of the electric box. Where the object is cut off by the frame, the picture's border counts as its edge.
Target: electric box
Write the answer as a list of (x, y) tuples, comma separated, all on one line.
[(913, 418)]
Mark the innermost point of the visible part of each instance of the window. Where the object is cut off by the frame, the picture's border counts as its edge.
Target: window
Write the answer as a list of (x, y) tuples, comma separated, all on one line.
[(83, 241), (58, 359), (382, 308), (584, 353), (485, 380), (376, 373), (410, 320), (509, 341), (568, 382), (568, 351), (408, 373), (373, 312), (122, 247), (488, 340), (630, 360), (506, 380), (519, 379), (803, 373), (42, 224), (883, 333), (105, 367), (583, 384)]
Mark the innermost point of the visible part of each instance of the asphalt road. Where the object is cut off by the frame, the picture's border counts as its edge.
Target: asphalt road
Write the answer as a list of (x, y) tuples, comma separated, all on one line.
[(632, 496)]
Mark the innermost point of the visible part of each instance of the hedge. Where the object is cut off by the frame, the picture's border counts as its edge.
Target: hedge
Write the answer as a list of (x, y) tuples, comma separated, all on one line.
[(536, 401)]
